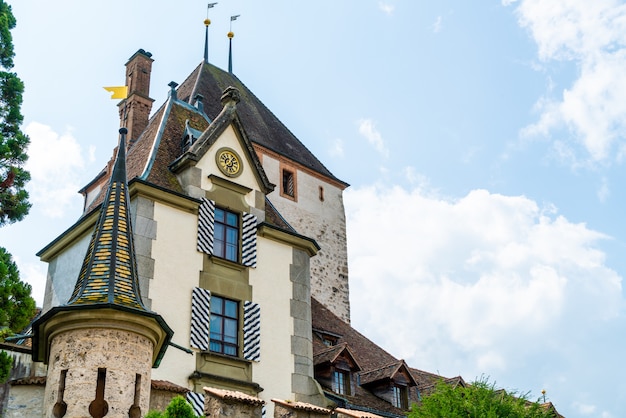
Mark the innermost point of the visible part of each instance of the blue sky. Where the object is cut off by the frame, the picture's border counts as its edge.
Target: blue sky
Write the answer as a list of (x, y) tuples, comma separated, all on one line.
[(484, 143)]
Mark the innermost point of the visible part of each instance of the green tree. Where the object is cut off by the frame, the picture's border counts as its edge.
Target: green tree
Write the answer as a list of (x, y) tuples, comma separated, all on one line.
[(479, 399), (5, 366), (14, 203), (178, 408), (17, 306)]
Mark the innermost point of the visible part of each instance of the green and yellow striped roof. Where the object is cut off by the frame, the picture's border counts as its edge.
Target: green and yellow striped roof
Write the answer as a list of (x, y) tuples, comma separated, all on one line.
[(109, 272)]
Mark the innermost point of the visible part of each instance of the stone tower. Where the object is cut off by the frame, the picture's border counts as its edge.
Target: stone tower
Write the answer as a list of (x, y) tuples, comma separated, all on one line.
[(101, 345)]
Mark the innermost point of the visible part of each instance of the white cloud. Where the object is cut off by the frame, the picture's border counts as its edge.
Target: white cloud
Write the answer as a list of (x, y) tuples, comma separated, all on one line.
[(416, 179), (584, 409), (591, 35), (53, 161), (478, 277), (604, 191), (35, 275), (337, 149), (386, 7), (373, 136), (437, 25)]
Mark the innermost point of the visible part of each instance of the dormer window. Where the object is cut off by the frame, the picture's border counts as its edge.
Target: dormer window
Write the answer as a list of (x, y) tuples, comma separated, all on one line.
[(400, 397), (341, 382), (334, 367), (189, 136), (390, 382), (329, 341)]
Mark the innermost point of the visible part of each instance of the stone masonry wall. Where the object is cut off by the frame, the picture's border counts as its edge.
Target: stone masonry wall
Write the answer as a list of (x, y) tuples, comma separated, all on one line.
[(144, 233), (304, 386), (325, 221), (25, 401), (82, 352)]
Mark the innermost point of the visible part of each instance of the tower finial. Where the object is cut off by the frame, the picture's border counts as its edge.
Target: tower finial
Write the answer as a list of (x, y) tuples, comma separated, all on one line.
[(207, 22), (230, 43)]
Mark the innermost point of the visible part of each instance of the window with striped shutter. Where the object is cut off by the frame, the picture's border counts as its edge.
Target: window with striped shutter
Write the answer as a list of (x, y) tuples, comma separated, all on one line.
[(200, 318), (196, 400), (226, 231), (206, 221), (251, 331)]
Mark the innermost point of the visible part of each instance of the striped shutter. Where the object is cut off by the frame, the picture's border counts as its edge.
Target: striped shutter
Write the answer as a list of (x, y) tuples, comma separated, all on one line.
[(251, 331), (200, 317), (196, 400), (248, 240), (206, 219)]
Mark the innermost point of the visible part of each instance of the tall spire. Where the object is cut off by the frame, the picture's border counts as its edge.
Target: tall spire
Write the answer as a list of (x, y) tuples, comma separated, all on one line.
[(230, 44), (109, 271), (207, 22)]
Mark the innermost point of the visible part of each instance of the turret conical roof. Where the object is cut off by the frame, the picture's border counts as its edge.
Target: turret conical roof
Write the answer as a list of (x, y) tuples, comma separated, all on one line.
[(109, 271)]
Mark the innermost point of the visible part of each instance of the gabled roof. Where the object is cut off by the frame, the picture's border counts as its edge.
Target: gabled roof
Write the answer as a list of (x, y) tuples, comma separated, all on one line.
[(376, 363), (225, 118), (387, 372), (369, 355), (261, 125), (549, 406), (149, 156), (333, 353), (426, 387)]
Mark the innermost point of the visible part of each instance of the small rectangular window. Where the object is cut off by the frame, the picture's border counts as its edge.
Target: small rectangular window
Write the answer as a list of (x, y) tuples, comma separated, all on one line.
[(224, 326), (341, 382), (289, 186), (400, 397), (226, 235)]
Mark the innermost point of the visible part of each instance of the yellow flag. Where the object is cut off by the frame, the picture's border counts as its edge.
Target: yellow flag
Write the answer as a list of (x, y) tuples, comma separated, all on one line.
[(118, 92)]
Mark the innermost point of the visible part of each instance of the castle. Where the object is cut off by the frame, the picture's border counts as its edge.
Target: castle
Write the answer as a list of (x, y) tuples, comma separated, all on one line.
[(211, 253)]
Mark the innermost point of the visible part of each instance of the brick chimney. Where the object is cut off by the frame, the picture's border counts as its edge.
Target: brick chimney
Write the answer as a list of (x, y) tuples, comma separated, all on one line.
[(135, 109)]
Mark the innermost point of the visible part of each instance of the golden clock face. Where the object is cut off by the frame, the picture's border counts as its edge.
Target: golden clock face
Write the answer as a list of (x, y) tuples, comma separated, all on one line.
[(228, 161)]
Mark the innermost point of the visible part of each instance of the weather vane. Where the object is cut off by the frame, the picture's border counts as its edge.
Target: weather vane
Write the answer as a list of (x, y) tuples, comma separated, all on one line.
[(232, 18), (230, 43), (207, 22), (209, 6)]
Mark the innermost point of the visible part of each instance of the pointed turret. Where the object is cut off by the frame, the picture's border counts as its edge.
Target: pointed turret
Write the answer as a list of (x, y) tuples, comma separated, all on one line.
[(109, 271), (104, 315)]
